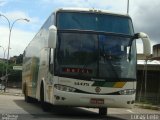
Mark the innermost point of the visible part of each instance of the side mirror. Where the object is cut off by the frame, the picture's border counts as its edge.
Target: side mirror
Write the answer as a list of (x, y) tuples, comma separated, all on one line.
[(146, 43), (52, 37)]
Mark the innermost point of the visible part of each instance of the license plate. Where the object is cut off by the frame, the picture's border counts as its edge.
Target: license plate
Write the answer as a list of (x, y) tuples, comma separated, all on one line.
[(96, 101)]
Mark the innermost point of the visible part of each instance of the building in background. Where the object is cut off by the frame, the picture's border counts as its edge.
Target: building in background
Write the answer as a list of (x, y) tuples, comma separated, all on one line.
[(148, 77)]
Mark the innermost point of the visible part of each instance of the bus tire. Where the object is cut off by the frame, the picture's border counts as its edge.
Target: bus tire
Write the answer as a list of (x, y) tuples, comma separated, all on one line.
[(45, 106), (103, 111)]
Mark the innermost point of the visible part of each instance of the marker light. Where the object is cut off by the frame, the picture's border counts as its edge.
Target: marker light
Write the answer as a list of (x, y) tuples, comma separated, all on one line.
[(127, 92)]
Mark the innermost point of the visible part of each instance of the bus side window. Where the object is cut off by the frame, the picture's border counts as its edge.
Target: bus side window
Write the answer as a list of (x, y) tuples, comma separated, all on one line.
[(51, 64)]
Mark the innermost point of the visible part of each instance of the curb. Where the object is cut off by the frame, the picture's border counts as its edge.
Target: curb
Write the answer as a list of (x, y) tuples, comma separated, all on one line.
[(147, 106), (13, 92)]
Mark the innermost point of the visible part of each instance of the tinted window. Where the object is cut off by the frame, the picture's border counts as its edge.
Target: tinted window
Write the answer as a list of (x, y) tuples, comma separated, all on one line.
[(95, 56), (95, 22)]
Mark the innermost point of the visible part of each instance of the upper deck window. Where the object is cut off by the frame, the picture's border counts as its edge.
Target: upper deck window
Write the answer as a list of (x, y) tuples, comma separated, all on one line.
[(94, 21)]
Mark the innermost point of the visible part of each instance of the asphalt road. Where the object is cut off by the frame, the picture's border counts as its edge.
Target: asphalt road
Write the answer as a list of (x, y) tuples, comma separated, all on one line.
[(15, 108)]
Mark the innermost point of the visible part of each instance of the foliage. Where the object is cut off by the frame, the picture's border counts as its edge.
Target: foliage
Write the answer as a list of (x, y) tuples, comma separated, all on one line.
[(17, 59), (14, 75), (2, 68)]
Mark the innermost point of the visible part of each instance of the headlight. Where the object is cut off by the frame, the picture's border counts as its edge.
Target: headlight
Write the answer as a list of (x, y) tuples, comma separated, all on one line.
[(127, 92), (65, 88)]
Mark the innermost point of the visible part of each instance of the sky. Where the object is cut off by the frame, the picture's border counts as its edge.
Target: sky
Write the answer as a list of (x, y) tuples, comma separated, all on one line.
[(144, 14)]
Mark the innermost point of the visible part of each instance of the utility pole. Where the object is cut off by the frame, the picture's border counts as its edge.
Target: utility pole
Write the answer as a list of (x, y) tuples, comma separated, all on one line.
[(10, 26), (127, 6), (145, 84)]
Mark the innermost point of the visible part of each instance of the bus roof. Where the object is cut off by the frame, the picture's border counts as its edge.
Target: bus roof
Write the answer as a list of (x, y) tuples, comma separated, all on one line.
[(92, 10)]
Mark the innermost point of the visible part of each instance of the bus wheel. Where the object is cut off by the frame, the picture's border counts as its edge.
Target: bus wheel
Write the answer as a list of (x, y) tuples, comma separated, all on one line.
[(102, 111), (45, 106)]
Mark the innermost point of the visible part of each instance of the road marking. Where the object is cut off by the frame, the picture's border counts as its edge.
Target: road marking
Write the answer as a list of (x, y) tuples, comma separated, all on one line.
[(129, 111)]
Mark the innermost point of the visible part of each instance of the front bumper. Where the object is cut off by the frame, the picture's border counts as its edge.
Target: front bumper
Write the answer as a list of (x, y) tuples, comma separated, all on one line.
[(84, 100)]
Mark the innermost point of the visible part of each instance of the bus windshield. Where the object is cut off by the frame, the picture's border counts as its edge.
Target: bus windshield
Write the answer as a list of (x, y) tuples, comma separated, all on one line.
[(94, 21), (95, 55)]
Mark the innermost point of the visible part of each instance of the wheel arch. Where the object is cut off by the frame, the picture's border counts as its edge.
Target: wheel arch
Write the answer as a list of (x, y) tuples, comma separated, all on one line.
[(24, 87), (42, 84)]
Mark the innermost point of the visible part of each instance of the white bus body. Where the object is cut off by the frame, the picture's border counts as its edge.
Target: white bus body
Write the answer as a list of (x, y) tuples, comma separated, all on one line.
[(83, 58)]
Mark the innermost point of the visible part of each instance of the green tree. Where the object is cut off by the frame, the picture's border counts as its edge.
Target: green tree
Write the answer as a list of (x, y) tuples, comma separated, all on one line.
[(15, 76), (2, 68), (19, 59)]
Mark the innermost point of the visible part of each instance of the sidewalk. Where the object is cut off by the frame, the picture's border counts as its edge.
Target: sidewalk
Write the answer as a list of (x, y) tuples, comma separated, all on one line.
[(12, 91), (148, 106)]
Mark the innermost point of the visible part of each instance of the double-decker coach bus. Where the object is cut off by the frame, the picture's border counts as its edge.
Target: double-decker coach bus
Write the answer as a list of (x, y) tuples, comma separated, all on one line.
[(83, 58)]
